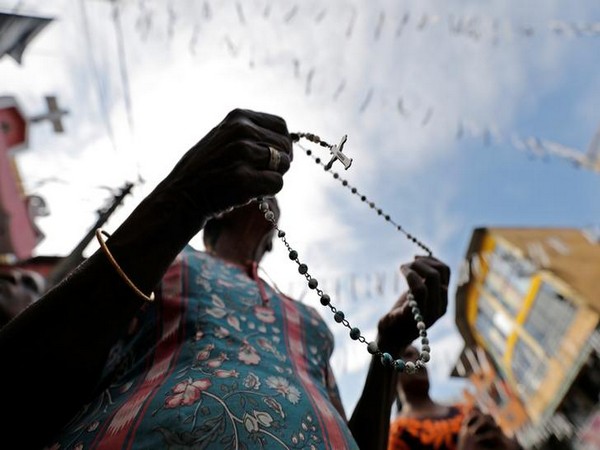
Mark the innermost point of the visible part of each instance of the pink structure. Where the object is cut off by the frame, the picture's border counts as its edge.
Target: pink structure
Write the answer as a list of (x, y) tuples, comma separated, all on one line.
[(18, 233)]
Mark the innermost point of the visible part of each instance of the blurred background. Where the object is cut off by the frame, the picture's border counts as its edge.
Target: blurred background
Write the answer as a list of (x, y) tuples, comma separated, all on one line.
[(474, 126)]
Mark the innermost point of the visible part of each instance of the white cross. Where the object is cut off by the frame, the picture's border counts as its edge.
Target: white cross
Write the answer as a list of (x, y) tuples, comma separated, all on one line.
[(54, 115), (336, 151)]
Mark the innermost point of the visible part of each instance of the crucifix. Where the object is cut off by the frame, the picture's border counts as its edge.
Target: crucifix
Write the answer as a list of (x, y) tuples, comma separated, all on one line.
[(54, 115), (336, 151)]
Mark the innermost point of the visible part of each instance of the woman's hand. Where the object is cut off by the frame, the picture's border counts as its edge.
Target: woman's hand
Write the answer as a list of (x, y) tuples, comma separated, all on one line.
[(427, 279), (232, 164)]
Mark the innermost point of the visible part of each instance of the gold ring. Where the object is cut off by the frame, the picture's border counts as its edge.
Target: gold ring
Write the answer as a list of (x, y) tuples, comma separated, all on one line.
[(274, 158)]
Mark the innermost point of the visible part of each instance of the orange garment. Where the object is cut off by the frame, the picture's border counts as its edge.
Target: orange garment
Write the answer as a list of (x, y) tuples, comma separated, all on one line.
[(441, 433)]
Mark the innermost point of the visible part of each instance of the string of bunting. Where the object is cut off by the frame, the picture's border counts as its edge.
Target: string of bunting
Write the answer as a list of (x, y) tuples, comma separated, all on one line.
[(476, 27)]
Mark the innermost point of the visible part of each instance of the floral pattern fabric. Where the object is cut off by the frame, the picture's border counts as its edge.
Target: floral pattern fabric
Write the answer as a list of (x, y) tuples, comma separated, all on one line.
[(219, 361), (408, 433)]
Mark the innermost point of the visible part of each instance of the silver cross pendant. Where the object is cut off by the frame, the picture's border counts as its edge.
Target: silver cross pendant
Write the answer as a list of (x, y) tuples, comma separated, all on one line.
[(336, 151)]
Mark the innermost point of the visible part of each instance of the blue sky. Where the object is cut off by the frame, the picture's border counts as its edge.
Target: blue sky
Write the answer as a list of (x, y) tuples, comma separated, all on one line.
[(388, 74)]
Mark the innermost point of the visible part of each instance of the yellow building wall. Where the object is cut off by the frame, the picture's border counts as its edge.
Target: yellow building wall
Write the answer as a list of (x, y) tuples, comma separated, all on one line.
[(562, 365)]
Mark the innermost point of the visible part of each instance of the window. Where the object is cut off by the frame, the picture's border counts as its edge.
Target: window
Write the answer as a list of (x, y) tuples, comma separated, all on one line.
[(528, 369), (549, 307), (508, 279), (494, 338), (549, 318)]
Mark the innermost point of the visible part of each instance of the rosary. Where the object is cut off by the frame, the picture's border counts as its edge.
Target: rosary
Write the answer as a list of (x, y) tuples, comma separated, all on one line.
[(338, 315)]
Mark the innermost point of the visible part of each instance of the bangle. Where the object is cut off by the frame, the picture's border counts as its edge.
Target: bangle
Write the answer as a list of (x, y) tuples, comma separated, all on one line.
[(103, 246)]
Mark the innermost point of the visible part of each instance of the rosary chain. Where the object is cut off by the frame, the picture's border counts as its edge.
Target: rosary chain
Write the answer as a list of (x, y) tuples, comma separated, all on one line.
[(338, 315), (317, 140)]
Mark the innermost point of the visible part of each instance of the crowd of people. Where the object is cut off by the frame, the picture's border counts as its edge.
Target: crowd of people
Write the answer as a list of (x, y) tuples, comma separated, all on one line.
[(152, 344)]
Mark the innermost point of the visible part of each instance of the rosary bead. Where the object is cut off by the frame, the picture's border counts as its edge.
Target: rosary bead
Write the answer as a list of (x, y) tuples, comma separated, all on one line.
[(264, 206), (387, 360), (302, 268), (418, 317), (372, 347), (419, 365), (318, 160), (338, 316), (293, 254), (421, 325), (399, 365), (281, 233), (354, 190), (425, 348), (336, 176), (425, 341), (270, 215), (412, 303), (354, 333), (325, 300), (308, 152), (423, 333), (425, 357), (313, 283), (409, 367), (363, 198), (345, 183)]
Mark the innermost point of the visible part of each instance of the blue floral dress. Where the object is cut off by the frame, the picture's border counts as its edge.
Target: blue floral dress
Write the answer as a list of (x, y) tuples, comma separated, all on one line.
[(219, 361)]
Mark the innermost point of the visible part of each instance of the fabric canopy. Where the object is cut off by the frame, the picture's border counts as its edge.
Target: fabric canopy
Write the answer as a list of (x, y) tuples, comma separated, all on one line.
[(17, 31)]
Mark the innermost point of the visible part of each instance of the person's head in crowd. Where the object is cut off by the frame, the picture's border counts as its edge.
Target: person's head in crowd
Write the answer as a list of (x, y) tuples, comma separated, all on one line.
[(414, 386), (19, 288)]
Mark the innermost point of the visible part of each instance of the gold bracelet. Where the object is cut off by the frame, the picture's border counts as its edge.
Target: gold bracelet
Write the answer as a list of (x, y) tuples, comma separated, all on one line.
[(103, 246)]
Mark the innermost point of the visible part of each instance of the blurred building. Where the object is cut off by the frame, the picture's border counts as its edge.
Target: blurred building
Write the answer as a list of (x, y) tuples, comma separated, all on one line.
[(528, 308), (18, 232)]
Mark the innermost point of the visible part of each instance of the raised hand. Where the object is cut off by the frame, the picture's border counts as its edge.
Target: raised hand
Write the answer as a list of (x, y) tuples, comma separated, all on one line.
[(480, 431), (232, 164), (427, 279)]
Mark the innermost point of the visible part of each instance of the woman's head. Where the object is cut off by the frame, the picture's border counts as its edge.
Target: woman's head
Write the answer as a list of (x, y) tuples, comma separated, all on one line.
[(245, 224)]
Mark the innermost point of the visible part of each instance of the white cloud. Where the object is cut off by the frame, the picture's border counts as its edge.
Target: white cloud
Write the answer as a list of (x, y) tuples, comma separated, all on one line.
[(183, 85)]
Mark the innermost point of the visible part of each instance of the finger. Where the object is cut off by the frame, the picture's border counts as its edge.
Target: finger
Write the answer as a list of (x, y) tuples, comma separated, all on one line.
[(438, 265), (250, 125), (257, 155), (265, 120), (416, 284), (272, 129), (259, 183), (247, 167), (277, 160), (434, 305), (282, 142)]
